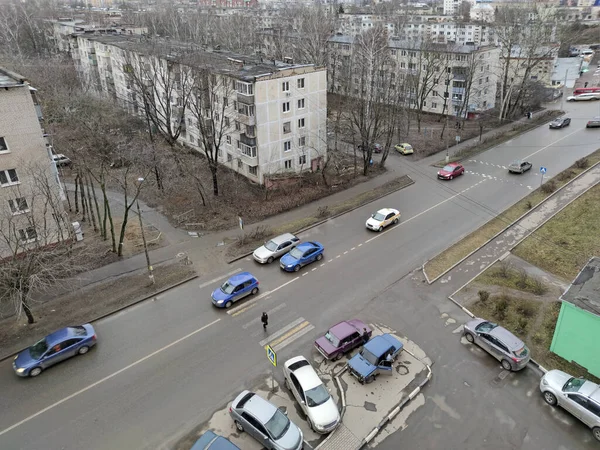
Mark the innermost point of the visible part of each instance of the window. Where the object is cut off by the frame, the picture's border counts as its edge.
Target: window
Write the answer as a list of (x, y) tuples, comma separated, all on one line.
[(228, 139), (8, 177), (27, 234), (302, 141), (287, 164), (434, 105), (237, 126), (285, 86), (18, 205), (302, 160), (229, 157), (287, 127), (301, 123), (287, 146), (253, 170), (487, 79), (226, 119), (286, 107), (245, 88), (300, 83), (220, 153), (435, 93), (225, 101), (301, 103), (240, 164), (246, 110), (248, 150)]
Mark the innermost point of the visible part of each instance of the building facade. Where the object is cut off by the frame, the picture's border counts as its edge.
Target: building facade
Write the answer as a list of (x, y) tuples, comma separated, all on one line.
[(31, 213)]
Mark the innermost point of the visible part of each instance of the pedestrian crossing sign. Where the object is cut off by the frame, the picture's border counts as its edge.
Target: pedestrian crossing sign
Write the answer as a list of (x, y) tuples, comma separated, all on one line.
[(271, 355)]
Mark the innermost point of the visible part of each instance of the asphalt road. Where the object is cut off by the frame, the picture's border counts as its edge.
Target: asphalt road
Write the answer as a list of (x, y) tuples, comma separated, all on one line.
[(163, 366)]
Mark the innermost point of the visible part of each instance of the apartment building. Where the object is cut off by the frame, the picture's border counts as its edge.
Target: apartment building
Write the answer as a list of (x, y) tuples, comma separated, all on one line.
[(31, 211), (274, 113), (463, 83), (537, 66)]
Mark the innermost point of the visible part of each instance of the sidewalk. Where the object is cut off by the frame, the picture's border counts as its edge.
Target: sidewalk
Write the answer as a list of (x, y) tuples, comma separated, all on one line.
[(465, 271)]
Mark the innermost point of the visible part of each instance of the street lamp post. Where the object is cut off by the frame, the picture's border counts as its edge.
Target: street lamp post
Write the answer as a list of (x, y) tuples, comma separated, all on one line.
[(137, 203)]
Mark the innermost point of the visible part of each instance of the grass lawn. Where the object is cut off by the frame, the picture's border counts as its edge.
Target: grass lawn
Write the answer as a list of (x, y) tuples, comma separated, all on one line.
[(503, 275), (442, 262), (567, 241)]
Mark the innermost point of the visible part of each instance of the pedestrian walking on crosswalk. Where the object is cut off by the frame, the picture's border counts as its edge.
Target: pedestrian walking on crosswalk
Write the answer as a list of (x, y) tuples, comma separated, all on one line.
[(265, 320)]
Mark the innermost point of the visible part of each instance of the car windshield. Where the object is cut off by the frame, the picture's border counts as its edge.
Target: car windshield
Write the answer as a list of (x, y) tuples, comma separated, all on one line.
[(227, 287), (485, 327), (296, 253), (278, 425), (369, 356), (332, 338), (38, 349), (573, 384), (515, 163), (316, 396), (448, 168), (271, 246), (378, 216)]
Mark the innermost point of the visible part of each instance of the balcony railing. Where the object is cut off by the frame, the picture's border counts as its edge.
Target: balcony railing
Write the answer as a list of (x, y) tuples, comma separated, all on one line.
[(246, 120), (246, 99), (250, 160)]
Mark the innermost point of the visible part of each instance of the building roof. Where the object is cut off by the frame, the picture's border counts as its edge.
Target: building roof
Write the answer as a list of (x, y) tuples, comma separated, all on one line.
[(11, 79), (584, 291), (417, 45)]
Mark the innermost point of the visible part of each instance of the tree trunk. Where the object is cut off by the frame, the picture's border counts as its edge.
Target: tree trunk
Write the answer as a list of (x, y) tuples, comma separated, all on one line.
[(102, 230), (83, 206), (76, 191), (123, 227), (213, 172), (27, 310), (89, 202)]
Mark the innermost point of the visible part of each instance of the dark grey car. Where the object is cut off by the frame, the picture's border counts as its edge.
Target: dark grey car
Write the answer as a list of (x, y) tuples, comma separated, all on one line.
[(512, 353), (519, 166), (276, 247)]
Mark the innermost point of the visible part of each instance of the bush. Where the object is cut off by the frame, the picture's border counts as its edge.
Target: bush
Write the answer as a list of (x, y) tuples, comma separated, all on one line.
[(504, 269), (582, 163), (528, 205), (259, 233), (538, 287), (483, 296), (549, 187), (523, 279), (522, 324), (526, 309), (323, 212), (566, 175), (501, 307)]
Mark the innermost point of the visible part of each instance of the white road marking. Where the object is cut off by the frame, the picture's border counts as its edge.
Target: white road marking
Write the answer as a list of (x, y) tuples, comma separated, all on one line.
[(360, 245), (322, 265), (345, 252), (304, 274), (227, 275), (550, 145), (257, 319), (106, 378), (282, 331), (337, 256), (313, 269), (293, 337), (353, 248), (330, 260), (249, 304)]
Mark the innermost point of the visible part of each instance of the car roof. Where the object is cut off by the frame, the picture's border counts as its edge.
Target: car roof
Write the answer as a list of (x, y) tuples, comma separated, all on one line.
[(453, 164), (513, 342), (283, 237), (378, 345), (516, 161), (240, 278), (59, 336), (257, 406), (306, 245), (305, 374), (212, 441), (386, 210), (406, 143), (342, 329)]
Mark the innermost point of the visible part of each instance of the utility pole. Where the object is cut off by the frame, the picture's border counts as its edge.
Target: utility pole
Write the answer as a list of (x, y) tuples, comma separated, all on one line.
[(446, 138), (150, 274)]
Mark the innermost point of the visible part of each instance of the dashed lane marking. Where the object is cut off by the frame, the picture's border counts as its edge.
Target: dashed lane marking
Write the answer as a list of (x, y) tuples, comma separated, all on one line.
[(346, 252), (330, 260), (337, 256), (214, 280), (353, 248)]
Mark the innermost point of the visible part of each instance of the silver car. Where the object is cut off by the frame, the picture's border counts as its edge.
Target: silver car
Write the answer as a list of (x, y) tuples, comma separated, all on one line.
[(577, 395), (276, 247), (265, 422), (519, 166), (512, 353), (319, 407)]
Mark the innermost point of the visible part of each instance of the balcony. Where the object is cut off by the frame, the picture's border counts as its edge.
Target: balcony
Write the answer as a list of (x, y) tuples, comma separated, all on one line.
[(250, 141), (245, 99), (246, 120), (252, 161)]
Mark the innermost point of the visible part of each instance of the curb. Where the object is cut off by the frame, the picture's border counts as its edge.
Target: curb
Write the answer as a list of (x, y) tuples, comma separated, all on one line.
[(343, 411), (121, 308), (321, 222), (505, 228), (399, 406)]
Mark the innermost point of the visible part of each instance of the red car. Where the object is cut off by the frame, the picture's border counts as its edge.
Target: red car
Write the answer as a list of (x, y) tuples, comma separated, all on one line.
[(342, 338), (450, 171)]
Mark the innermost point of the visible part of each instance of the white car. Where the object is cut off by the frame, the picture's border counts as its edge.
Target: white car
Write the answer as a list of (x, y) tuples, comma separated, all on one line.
[(583, 97), (382, 218), (317, 404)]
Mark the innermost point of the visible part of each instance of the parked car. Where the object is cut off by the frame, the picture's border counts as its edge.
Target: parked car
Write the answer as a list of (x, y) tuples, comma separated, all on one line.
[(234, 289), (54, 348), (377, 148), (265, 422), (451, 171), (519, 166), (375, 358), (382, 218), (561, 122), (578, 396), (315, 401), (342, 338), (266, 254), (512, 353), (212, 441), (301, 255), (61, 160), (405, 149), (583, 97), (594, 123)]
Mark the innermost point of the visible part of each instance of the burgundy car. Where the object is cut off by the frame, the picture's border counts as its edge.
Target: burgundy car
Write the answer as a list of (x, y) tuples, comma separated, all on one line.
[(342, 338), (450, 171)]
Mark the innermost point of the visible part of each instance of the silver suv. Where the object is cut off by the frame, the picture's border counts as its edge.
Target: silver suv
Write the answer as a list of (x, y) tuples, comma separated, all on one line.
[(498, 342), (275, 248), (577, 395), (265, 422)]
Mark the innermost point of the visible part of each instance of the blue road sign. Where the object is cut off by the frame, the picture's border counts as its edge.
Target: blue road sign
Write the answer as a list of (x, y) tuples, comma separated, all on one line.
[(271, 355), (543, 170)]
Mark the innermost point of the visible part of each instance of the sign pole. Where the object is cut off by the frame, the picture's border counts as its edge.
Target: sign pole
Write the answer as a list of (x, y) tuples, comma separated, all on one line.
[(272, 356), (542, 172), (542, 180)]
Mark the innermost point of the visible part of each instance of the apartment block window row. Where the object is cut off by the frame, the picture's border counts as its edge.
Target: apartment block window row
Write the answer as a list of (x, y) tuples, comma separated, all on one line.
[(18, 205), (8, 177)]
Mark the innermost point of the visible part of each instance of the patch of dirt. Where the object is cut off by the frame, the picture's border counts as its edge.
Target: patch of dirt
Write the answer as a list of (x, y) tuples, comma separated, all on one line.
[(84, 305)]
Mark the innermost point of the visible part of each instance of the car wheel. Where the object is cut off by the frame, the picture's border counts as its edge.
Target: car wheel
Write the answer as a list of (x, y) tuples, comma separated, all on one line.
[(338, 356), (228, 304), (35, 371), (469, 337), (310, 424), (379, 229), (254, 291), (369, 379), (396, 221), (550, 398), (451, 177), (506, 364), (297, 268), (270, 260), (596, 433), (320, 257), (239, 426), (83, 350)]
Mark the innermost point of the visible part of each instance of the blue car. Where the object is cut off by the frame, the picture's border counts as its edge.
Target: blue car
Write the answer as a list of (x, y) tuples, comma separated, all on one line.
[(212, 441), (54, 348), (303, 254), (234, 289), (375, 358)]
